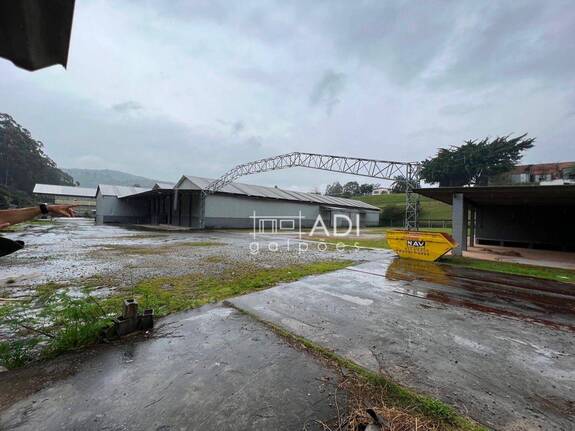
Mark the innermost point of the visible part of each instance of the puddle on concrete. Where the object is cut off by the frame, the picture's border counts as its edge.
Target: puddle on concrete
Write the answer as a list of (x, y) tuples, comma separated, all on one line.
[(540, 301)]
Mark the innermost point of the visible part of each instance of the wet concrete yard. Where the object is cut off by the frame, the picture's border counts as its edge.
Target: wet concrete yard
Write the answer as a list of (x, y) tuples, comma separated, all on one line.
[(207, 369), (499, 348)]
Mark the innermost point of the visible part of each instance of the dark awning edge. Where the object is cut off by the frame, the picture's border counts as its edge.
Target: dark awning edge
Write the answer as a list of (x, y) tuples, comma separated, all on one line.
[(563, 195), (36, 33)]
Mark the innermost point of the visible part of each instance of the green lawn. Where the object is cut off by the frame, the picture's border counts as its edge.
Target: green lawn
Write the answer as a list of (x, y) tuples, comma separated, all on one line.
[(430, 209), (547, 273)]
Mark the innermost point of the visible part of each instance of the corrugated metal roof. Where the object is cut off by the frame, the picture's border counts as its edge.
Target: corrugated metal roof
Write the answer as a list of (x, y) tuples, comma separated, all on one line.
[(120, 191), (164, 186), (57, 190), (275, 193)]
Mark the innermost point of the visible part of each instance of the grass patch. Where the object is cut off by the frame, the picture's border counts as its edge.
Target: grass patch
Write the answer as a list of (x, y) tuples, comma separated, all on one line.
[(171, 294), (75, 322), (64, 323), (215, 259), (17, 353), (44, 291), (556, 274), (440, 414)]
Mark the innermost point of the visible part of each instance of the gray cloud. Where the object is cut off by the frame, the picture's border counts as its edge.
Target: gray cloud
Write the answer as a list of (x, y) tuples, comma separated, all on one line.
[(128, 106), (511, 41), (397, 80), (238, 127), (462, 108), (327, 90), (235, 127)]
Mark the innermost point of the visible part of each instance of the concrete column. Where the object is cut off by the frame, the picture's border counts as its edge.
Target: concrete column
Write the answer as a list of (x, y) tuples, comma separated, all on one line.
[(471, 226), (459, 222)]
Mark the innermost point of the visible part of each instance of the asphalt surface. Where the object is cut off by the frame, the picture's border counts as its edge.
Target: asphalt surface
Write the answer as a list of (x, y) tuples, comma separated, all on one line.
[(499, 348), (207, 369)]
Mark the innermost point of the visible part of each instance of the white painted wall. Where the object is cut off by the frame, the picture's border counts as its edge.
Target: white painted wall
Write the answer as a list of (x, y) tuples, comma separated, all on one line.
[(244, 207)]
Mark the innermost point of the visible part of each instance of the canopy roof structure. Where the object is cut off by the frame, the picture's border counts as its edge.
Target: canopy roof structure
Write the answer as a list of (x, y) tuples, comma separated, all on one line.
[(505, 195)]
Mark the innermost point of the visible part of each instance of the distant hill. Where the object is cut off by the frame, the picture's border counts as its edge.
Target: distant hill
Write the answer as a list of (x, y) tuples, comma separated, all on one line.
[(93, 177)]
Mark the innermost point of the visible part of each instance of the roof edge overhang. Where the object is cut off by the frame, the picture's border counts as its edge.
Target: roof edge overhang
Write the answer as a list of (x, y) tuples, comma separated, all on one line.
[(506, 195)]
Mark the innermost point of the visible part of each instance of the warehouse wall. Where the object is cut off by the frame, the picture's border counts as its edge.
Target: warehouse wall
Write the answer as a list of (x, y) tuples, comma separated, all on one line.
[(222, 210), (110, 209), (235, 211), (371, 218), (526, 226)]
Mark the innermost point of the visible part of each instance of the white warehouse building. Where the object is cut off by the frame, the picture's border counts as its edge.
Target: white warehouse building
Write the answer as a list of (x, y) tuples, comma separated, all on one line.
[(84, 198), (232, 207)]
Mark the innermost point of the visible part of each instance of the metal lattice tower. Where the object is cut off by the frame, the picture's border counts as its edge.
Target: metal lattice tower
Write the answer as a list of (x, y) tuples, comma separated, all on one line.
[(411, 199), (381, 169)]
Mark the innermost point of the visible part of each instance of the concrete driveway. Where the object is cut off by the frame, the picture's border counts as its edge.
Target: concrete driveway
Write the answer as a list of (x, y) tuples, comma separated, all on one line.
[(499, 348), (207, 369)]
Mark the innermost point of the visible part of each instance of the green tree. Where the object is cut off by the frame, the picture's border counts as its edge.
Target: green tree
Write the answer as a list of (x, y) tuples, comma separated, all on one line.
[(392, 215), (400, 183), (23, 162), (335, 189), (475, 161), (366, 189), (351, 188)]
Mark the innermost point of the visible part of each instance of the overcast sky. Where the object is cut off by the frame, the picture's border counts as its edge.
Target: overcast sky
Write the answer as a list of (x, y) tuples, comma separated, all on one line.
[(165, 88)]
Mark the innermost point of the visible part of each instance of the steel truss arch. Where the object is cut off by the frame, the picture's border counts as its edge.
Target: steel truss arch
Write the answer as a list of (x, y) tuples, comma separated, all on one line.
[(381, 169)]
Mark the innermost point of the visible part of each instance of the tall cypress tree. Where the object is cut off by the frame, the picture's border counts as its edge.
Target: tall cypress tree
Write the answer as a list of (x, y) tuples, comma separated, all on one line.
[(475, 161)]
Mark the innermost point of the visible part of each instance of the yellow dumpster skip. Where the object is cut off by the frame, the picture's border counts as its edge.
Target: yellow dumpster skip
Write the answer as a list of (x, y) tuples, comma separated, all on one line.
[(420, 245)]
